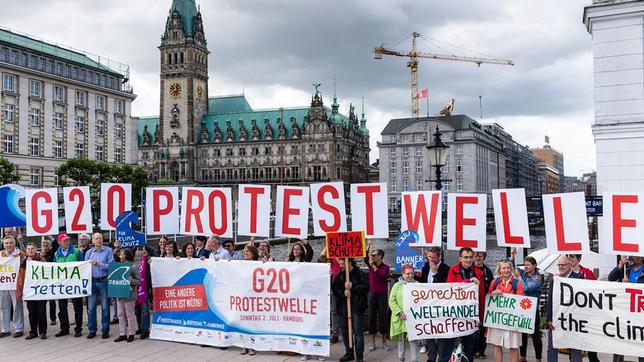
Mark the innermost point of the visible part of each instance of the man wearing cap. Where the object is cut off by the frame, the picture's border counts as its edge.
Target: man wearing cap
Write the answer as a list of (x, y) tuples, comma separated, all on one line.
[(12, 298), (68, 253), (100, 257)]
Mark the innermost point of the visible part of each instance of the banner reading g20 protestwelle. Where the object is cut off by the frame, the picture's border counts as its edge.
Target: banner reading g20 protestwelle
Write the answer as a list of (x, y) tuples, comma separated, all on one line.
[(263, 306)]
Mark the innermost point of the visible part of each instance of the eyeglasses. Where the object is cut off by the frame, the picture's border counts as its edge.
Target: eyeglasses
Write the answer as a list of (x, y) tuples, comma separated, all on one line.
[(562, 265), (374, 255)]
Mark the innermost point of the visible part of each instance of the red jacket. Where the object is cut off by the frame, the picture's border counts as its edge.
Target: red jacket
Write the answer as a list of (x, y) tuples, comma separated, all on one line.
[(587, 273), (455, 276)]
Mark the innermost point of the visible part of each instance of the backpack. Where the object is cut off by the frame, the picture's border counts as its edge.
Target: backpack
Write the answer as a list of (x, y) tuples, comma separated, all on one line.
[(515, 284)]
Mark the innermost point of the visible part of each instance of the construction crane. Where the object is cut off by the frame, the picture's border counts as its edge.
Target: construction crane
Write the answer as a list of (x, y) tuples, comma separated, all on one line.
[(413, 56)]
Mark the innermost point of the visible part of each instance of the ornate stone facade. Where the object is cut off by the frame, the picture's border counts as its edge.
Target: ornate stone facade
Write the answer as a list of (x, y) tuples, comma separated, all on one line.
[(222, 140)]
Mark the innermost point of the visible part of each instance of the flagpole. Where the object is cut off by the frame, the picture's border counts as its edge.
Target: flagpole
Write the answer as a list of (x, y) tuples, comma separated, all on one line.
[(427, 104)]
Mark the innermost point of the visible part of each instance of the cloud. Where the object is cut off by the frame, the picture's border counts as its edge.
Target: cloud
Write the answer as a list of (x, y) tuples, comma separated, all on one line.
[(273, 51)]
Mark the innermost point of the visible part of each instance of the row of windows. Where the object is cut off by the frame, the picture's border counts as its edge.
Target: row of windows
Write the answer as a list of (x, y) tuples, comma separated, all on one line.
[(250, 174), (36, 89), (35, 147), (420, 184), (393, 167), (61, 69), (255, 151), (35, 118)]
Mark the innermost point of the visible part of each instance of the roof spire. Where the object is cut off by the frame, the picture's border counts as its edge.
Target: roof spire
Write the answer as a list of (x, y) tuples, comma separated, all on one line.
[(363, 120), (334, 106)]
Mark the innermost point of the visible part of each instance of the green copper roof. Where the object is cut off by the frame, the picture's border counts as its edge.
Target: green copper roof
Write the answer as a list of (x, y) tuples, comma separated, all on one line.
[(40, 46), (152, 123), (272, 115), (235, 108), (188, 11), (228, 104)]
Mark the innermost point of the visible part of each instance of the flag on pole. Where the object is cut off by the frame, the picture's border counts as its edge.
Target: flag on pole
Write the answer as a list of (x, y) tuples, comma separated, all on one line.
[(422, 94)]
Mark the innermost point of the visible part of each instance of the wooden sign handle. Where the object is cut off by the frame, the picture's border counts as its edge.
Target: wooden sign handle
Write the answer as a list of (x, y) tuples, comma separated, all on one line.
[(350, 322)]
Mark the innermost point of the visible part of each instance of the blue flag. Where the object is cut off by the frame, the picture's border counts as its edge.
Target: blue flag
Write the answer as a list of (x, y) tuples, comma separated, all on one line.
[(406, 254)]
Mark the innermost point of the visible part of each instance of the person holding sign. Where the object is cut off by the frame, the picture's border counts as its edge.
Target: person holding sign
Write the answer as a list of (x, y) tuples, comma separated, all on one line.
[(634, 272), (532, 286), (127, 318), (463, 272), (488, 276), (12, 298), (628, 270), (398, 327), (37, 308), (355, 289), (505, 283), (68, 253), (378, 289), (100, 257), (565, 271)]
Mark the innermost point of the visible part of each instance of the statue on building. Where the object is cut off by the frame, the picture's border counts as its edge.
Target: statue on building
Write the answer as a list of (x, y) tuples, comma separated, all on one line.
[(295, 130), (281, 130), (316, 100), (242, 131), (175, 138), (217, 133), (174, 122), (157, 135), (268, 130), (146, 136), (255, 136), (449, 107), (230, 133), (205, 136)]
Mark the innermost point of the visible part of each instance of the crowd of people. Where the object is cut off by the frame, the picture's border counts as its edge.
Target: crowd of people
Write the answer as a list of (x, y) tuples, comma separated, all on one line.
[(368, 291)]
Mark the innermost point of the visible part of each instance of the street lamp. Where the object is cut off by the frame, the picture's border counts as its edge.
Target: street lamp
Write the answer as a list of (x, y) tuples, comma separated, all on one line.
[(437, 156)]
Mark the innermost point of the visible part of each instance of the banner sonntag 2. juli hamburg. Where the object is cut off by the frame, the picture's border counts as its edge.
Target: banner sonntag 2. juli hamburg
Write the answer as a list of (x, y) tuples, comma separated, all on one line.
[(263, 306)]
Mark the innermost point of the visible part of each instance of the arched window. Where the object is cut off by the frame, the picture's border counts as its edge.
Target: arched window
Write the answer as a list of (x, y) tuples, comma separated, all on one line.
[(169, 58), (181, 57)]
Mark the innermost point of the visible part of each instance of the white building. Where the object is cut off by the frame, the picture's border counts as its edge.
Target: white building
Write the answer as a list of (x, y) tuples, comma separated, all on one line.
[(57, 103), (618, 51), (617, 28)]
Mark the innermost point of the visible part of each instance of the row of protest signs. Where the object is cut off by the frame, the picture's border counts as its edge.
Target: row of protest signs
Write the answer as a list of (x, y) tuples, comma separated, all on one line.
[(209, 211), (285, 306)]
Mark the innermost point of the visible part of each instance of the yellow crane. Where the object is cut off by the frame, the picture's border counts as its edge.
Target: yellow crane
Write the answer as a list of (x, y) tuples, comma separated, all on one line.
[(413, 56)]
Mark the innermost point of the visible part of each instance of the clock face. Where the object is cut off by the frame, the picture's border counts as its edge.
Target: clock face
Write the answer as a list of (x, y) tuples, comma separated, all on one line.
[(199, 92), (175, 89)]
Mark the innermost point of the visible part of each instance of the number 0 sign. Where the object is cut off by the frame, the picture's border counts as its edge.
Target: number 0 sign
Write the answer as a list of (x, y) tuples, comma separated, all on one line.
[(349, 244)]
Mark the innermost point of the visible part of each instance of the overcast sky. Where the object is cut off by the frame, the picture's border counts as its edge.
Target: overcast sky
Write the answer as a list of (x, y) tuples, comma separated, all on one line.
[(274, 50)]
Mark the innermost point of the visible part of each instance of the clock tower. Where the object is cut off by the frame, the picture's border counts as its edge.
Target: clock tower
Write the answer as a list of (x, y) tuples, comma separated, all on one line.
[(183, 88)]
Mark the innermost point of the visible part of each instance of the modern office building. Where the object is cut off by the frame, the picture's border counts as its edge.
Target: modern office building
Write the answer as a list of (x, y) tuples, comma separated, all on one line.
[(552, 158)]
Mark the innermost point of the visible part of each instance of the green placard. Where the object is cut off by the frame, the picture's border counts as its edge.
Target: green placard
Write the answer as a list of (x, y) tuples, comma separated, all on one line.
[(118, 281)]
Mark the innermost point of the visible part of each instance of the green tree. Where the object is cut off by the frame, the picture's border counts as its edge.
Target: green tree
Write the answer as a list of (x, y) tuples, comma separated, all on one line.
[(8, 172), (84, 172)]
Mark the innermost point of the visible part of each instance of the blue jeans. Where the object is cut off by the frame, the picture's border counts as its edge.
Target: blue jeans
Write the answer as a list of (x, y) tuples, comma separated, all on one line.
[(357, 318), (99, 290)]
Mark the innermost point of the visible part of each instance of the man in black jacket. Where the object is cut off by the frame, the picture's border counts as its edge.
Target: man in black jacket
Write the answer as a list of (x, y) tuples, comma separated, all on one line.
[(356, 289), (565, 271), (434, 271)]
